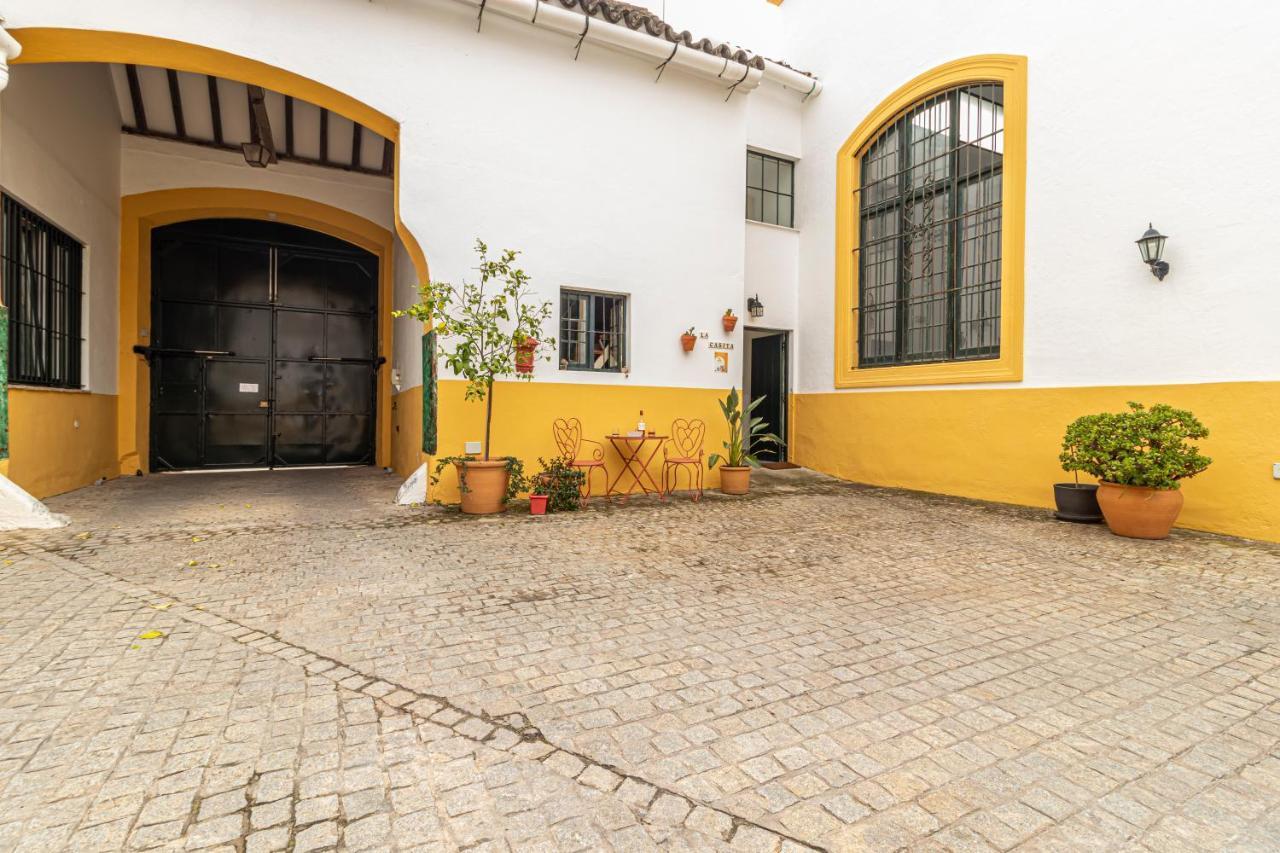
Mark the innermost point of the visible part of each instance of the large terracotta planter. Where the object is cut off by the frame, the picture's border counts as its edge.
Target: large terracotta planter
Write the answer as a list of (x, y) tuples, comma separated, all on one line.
[(1139, 512), (486, 485), (735, 481)]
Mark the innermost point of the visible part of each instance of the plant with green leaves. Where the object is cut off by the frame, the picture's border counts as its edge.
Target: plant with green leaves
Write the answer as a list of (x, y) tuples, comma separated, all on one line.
[(746, 432), (516, 482), (1149, 447), (481, 325), (561, 483)]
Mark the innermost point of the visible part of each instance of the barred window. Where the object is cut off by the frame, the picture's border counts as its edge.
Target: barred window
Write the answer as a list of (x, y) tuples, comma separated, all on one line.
[(42, 289), (929, 226), (770, 189), (593, 331)]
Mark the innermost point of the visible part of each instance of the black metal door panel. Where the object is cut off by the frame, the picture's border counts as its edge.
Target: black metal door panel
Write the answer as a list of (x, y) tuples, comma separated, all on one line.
[(264, 350), (769, 380)]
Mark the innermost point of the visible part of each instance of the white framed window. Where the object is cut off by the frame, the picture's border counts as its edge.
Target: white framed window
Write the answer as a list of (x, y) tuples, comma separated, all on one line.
[(593, 330), (771, 189)]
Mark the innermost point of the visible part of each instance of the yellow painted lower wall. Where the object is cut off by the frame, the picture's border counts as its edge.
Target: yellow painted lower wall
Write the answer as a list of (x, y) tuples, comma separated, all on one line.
[(523, 413), (48, 453), (406, 431), (1002, 445)]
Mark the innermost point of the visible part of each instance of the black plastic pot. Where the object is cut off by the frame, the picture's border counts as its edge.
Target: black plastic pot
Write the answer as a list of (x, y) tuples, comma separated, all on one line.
[(1077, 502)]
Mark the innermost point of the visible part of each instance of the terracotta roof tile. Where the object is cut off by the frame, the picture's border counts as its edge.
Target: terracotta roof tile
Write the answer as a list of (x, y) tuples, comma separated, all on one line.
[(639, 18)]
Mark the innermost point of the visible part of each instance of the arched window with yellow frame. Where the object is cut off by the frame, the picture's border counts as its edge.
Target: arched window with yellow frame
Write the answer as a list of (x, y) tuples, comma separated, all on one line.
[(930, 231)]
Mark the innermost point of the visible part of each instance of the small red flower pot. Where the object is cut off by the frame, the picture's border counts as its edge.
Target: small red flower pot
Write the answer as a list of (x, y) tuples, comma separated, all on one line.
[(538, 504), (730, 322), (687, 341), (524, 356)]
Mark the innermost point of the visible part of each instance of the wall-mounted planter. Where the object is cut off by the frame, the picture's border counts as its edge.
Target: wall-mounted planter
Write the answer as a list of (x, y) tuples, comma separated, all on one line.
[(524, 356), (687, 340), (730, 322)]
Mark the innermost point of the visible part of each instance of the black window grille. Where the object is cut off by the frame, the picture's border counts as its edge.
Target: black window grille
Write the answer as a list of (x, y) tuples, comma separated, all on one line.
[(42, 289), (929, 225), (593, 331), (770, 189)]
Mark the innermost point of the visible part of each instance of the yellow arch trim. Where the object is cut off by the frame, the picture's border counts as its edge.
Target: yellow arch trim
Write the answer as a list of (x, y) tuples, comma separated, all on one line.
[(55, 44), (1012, 72), (141, 213)]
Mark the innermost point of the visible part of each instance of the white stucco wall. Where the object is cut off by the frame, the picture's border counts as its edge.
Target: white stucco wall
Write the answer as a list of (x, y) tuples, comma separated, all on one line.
[(60, 157), (605, 180), (1134, 115), (148, 164)]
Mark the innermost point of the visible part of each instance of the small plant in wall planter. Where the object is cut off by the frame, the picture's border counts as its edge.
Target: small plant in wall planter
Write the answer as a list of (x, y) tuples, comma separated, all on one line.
[(688, 339), (729, 320), (1140, 458), (485, 329), (745, 432)]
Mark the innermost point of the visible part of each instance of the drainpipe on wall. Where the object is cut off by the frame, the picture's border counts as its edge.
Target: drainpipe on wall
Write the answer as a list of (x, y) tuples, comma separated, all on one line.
[(742, 77)]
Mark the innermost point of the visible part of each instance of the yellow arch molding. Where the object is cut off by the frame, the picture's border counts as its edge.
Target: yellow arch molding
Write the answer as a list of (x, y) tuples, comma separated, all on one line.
[(141, 213), (54, 44), (1012, 72)]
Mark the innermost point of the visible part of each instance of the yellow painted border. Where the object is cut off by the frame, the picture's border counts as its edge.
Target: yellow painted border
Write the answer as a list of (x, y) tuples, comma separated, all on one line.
[(54, 44), (141, 213), (1011, 71)]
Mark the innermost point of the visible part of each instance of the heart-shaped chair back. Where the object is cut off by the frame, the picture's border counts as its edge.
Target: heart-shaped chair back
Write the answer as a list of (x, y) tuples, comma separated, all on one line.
[(568, 436), (687, 436)]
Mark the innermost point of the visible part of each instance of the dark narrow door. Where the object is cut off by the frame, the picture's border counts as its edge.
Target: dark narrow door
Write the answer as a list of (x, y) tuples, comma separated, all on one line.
[(769, 380), (263, 347)]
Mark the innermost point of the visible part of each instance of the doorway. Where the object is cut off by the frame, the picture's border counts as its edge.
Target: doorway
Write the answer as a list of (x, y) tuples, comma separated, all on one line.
[(767, 378), (263, 349)]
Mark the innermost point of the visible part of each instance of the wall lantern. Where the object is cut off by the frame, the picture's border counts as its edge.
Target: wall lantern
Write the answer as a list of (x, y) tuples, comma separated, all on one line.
[(1151, 247), (755, 307), (256, 154)]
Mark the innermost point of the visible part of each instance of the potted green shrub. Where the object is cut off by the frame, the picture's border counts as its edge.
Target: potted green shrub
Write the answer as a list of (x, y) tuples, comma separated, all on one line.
[(1139, 457), (745, 433), (483, 328), (556, 488)]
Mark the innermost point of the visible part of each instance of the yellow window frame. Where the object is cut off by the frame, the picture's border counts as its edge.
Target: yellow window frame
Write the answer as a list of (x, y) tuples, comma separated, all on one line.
[(1011, 72)]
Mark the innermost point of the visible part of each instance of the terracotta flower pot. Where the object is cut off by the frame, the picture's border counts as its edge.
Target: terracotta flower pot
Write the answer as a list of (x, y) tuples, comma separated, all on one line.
[(735, 481), (486, 485), (730, 322), (1139, 512), (538, 504), (687, 341), (524, 356)]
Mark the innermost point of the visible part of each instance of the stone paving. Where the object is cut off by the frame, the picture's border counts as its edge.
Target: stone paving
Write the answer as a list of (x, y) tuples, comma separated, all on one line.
[(284, 660)]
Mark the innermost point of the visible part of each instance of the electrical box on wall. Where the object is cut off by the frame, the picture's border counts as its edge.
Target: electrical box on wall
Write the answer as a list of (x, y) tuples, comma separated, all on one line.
[(471, 448)]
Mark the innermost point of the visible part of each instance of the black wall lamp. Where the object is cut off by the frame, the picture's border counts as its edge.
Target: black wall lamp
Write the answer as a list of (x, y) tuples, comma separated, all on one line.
[(1151, 247), (755, 307), (256, 154)]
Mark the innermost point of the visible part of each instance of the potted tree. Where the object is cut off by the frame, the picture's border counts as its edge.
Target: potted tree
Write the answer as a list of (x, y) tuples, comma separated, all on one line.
[(483, 327), (729, 320), (745, 432), (688, 339), (1139, 457)]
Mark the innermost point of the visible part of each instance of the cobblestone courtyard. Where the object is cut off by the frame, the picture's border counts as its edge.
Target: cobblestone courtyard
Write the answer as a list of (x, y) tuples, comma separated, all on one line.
[(284, 660)]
